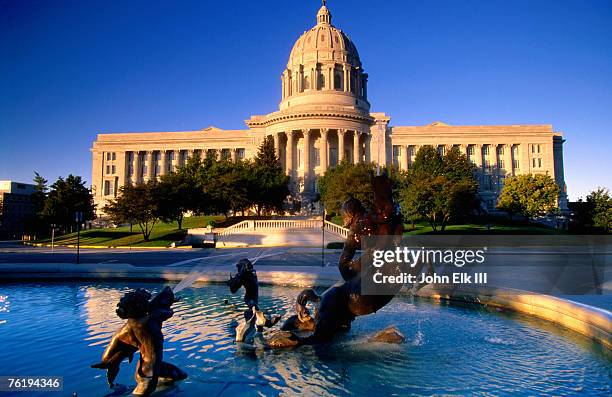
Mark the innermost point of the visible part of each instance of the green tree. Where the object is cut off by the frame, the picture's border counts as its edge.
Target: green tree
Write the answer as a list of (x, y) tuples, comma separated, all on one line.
[(37, 223), (529, 195), (438, 188), (344, 181), (65, 198), (601, 203), (268, 186), (136, 204), (176, 195)]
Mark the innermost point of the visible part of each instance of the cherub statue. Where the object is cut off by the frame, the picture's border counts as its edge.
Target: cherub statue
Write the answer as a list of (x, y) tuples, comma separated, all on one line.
[(253, 316), (142, 331)]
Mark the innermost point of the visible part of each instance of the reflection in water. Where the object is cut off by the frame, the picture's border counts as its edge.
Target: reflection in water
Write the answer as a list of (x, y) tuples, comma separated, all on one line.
[(450, 350)]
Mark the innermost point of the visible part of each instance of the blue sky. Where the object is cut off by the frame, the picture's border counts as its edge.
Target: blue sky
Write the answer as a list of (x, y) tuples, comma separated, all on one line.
[(72, 69)]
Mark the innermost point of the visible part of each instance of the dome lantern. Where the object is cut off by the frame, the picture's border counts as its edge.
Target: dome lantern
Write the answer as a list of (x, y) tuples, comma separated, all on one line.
[(324, 16)]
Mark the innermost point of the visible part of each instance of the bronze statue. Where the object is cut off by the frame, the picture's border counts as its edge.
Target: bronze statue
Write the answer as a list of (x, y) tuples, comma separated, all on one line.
[(342, 302), (142, 331), (254, 318), (303, 320)]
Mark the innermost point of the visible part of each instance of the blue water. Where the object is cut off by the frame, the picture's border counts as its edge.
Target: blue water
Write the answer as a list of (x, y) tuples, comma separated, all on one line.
[(53, 329)]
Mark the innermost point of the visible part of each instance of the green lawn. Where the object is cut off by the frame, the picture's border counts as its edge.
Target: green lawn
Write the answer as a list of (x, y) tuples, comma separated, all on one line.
[(497, 226), (162, 236), (481, 228)]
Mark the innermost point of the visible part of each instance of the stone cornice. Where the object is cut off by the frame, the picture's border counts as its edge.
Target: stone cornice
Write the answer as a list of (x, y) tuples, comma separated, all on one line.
[(279, 117)]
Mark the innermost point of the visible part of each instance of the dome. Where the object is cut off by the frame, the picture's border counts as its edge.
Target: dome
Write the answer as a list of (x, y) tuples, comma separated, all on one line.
[(324, 69), (324, 43)]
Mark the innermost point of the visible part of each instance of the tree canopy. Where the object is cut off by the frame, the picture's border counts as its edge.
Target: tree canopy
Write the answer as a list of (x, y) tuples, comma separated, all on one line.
[(137, 204), (529, 195), (65, 198), (344, 181), (439, 188)]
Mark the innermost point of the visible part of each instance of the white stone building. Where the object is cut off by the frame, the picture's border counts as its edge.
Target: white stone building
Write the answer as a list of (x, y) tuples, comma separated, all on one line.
[(323, 118)]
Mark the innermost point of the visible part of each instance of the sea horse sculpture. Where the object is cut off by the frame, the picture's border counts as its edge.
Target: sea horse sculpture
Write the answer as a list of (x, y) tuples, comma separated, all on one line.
[(344, 301), (142, 331)]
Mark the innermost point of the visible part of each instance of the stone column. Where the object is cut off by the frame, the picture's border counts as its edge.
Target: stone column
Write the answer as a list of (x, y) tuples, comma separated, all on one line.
[(404, 151), (478, 163), (307, 186), (508, 162), (164, 162), (524, 163), (356, 146), (136, 167), (277, 145), (122, 168), (289, 159), (347, 78), (341, 134), (368, 141), (330, 78), (150, 165), (234, 154), (324, 150)]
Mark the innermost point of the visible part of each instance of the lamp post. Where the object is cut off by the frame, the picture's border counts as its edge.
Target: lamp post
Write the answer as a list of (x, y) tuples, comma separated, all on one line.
[(79, 218), (323, 239), (52, 237)]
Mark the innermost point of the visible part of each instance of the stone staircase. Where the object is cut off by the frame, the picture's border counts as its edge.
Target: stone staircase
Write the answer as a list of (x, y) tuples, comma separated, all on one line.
[(276, 232)]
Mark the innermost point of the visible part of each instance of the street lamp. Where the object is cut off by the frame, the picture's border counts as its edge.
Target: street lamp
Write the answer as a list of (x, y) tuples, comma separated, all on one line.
[(79, 219), (53, 225)]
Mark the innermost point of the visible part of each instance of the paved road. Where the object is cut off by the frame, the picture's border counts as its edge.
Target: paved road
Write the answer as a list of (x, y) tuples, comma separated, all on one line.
[(15, 253)]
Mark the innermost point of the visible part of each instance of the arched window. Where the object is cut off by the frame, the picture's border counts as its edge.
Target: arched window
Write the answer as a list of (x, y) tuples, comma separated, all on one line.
[(338, 81), (321, 83)]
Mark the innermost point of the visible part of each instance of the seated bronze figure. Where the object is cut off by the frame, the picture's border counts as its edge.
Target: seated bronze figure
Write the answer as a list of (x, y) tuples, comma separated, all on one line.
[(142, 332)]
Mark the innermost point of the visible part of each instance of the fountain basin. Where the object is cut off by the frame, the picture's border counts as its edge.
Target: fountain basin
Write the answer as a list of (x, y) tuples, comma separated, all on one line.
[(450, 349)]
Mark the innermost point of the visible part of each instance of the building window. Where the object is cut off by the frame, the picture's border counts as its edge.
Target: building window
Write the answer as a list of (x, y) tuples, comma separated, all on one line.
[(108, 169), (500, 164), (396, 155), (442, 150), (321, 83), (114, 156), (317, 157), (500, 150), (515, 164), (470, 150), (240, 153), (108, 156), (300, 154), (225, 154), (485, 150), (113, 169), (109, 188), (306, 83)]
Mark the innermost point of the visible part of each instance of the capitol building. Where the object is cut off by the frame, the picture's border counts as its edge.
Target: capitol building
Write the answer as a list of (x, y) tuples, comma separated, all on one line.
[(324, 118)]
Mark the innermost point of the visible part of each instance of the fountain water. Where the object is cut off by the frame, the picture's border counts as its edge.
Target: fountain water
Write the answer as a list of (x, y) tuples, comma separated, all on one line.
[(198, 270)]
